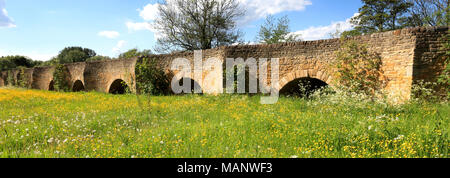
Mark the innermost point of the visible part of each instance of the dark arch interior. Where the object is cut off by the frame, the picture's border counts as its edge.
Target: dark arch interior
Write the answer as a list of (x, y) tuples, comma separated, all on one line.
[(51, 86), (302, 87), (193, 85), (19, 78), (118, 87), (78, 86)]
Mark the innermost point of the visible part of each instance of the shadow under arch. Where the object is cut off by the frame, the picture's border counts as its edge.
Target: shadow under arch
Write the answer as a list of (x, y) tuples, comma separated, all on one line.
[(302, 87), (19, 78), (194, 84), (51, 86), (78, 86), (118, 87)]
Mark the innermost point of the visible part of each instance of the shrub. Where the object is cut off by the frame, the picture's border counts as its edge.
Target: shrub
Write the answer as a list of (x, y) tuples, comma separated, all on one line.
[(10, 79), (151, 78), (424, 91), (358, 69), (60, 78), (21, 79), (444, 78)]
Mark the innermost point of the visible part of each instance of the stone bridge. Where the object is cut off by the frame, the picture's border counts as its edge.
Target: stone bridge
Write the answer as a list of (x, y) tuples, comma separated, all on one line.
[(408, 55)]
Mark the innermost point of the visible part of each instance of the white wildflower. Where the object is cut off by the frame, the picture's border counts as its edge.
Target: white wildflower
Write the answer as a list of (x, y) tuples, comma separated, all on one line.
[(399, 137)]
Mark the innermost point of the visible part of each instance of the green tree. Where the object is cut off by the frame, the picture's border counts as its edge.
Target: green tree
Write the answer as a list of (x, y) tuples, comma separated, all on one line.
[(350, 33), (381, 15), (429, 13), (197, 24), (134, 53), (6, 64), (98, 58), (11, 62), (75, 54), (270, 33)]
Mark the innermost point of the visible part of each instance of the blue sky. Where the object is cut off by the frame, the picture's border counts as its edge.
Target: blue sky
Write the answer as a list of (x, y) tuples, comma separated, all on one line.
[(40, 29)]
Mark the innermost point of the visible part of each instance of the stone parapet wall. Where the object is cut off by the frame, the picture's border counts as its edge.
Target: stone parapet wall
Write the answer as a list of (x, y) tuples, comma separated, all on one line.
[(408, 55)]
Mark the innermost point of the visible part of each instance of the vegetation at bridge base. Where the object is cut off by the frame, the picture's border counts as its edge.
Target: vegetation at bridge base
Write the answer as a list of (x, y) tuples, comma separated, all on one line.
[(151, 78), (437, 90), (60, 78), (22, 80), (53, 124), (444, 78), (10, 78), (358, 69)]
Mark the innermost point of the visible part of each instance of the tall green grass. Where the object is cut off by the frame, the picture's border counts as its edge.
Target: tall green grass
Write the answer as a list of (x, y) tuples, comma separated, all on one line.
[(50, 124)]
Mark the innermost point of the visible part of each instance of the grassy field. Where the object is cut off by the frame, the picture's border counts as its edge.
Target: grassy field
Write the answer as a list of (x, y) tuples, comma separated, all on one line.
[(50, 124)]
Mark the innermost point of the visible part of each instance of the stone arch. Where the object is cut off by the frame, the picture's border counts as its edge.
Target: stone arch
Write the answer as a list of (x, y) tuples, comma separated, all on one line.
[(193, 84), (302, 87), (78, 86), (322, 75), (118, 86), (51, 86)]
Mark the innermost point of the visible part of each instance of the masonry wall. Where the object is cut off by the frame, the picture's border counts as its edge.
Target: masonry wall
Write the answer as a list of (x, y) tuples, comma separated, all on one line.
[(99, 75), (42, 76), (314, 58), (208, 86), (76, 72), (429, 54), (408, 55)]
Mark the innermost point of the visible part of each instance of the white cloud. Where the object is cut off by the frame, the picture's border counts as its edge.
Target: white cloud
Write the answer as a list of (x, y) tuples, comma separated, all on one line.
[(118, 48), (257, 9), (5, 21), (149, 12), (109, 34), (138, 26), (41, 56), (323, 32)]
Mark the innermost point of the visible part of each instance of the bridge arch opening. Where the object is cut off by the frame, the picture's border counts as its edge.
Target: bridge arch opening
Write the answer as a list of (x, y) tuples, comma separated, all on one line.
[(78, 86), (302, 87), (51, 86), (194, 84), (19, 78), (118, 87)]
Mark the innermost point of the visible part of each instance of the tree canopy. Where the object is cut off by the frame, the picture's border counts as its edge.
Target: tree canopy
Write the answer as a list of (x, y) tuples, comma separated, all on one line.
[(135, 53), (197, 24), (271, 33), (74, 54), (384, 15), (381, 15), (429, 13), (11, 62)]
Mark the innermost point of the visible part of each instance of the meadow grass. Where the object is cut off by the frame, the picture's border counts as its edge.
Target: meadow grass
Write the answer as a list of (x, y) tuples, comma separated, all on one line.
[(50, 124)]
